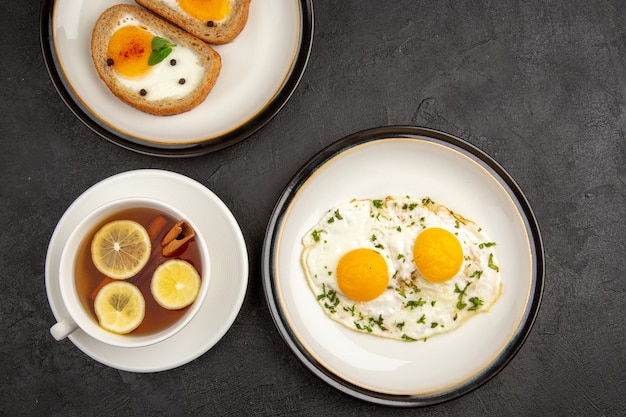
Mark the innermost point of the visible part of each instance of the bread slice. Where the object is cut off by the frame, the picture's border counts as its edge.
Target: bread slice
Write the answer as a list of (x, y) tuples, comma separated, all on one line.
[(213, 31), (184, 79)]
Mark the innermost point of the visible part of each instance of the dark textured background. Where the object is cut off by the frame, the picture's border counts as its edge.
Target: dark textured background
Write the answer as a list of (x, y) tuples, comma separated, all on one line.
[(538, 85)]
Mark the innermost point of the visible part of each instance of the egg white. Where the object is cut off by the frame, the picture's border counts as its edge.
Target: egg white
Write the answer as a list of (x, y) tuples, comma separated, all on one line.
[(411, 308), (161, 81)]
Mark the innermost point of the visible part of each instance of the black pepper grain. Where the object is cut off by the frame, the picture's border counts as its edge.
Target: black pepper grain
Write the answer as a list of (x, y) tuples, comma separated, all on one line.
[(142, 92), (172, 62), (109, 62), (210, 23), (181, 81)]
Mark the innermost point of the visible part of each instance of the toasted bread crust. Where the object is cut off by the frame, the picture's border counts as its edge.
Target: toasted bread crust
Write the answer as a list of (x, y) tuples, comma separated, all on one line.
[(219, 32), (208, 58)]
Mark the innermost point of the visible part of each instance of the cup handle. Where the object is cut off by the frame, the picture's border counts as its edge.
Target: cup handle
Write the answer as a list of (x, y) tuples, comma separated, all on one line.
[(63, 329)]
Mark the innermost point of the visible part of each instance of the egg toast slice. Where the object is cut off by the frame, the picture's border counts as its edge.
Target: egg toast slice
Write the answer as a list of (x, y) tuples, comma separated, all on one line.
[(149, 63), (214, 21)]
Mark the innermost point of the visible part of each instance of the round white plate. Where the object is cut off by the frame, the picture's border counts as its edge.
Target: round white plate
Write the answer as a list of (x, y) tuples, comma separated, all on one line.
[(418, 162), (260, 70), (229, 268)]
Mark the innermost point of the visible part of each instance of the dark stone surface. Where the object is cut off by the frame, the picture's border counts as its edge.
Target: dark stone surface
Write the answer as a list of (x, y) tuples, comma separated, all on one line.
[(538, 85)]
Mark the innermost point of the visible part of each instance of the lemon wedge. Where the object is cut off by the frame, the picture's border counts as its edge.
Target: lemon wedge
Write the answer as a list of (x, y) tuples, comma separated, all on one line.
[(175, 284), (120, 307), (120, 249)]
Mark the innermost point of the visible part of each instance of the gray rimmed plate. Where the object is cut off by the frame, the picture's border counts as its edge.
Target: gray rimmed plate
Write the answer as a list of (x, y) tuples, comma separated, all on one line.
[(418, 162), (261, 69)]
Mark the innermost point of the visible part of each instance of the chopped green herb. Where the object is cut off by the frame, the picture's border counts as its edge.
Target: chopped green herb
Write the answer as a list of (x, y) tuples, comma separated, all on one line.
[(331, 220), (331, 296), (400, 325), (491, 265), (331, 307), (460, 304), (486, 245), (337, 215), (377, 203), (360, 327), (434, 324), (412, 303), (476, 303), (323, 294), (432, 303), (422, 319), (316, 235), (399, 229), (350, 309), (378, 322), (407, 338), (477, 274)]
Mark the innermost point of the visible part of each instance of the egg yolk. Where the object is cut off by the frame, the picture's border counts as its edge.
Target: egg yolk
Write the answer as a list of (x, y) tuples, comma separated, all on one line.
[(130, 48), (437, 254), (206, 10), (362, 274)]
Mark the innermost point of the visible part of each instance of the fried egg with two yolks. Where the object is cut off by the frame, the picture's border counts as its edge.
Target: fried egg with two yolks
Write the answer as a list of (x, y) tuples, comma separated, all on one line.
[(128, 52), (400, 268)]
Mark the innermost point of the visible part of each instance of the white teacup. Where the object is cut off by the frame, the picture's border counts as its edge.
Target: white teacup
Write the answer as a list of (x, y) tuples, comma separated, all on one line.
[(79, 319)]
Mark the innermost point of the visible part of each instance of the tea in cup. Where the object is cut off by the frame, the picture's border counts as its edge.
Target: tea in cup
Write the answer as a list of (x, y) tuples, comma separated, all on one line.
[(134, 272)]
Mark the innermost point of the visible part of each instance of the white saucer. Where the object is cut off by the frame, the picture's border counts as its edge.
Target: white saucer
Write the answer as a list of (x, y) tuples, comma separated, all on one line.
[(229, 268)]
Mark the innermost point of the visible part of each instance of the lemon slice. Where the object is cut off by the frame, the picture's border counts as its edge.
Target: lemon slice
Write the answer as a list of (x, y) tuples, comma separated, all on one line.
[(175, 284), (120, 249), (120, 307)]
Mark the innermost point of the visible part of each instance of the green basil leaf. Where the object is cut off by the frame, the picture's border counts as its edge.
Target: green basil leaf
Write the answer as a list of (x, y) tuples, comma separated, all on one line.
[(161, 43), (158, 56), (161, 48)]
